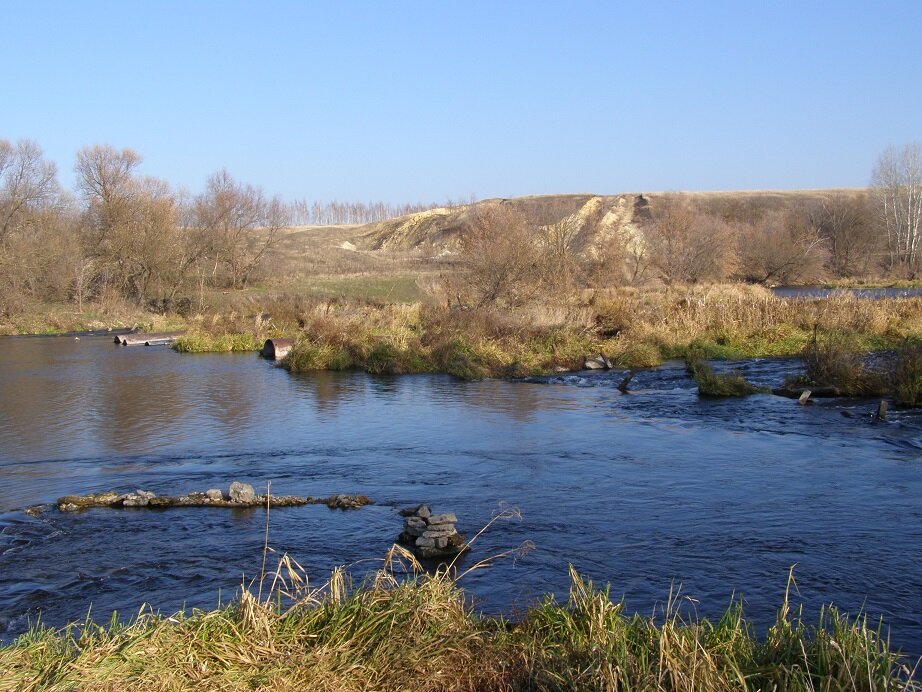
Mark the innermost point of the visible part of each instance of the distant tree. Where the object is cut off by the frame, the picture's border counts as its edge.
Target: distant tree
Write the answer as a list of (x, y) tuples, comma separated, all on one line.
[(131, 225), (28, 184), (782, 247), (240, 223), (897, 184), (687, 245), (845, 222), (559, 261), (500, 256)]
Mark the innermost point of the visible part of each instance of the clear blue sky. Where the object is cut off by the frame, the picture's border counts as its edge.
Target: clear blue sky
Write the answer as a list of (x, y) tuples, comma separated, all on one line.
[(405, 101)]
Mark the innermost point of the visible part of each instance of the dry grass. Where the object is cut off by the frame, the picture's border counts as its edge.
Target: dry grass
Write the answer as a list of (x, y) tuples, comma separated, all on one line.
[(404, 629)]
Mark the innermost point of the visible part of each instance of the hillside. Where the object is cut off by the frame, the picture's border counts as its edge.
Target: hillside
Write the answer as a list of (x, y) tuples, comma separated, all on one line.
[(595, 216)]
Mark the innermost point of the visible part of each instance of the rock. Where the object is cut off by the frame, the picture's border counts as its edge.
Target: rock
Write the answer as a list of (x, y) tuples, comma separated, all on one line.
[(75, 502), (242, 493), (425, 542), (881, 414), (441, 542), (415, 523), (348, 501), (436, 533), (214, 494), (594, 364), (447, 518), (804, 398), (137, 499), (455, 540), (409, 511), (424, 512), (35, 510)]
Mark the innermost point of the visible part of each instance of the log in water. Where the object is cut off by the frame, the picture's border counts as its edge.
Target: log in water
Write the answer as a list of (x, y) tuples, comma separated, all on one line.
[(147, 339)]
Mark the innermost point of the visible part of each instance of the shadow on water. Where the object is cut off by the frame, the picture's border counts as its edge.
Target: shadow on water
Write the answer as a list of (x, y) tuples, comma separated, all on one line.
[(641, 489)]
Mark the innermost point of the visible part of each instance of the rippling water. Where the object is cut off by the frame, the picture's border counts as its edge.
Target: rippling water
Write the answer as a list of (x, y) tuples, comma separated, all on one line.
[(643, 490)]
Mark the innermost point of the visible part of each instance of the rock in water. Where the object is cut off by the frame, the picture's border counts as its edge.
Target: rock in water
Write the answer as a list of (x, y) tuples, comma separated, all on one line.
[(242, 492), (214, 494)]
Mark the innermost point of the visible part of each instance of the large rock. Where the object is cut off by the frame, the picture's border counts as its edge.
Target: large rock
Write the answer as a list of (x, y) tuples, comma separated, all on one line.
[(214, 494), (242, 493), (432, 532), (447, 518)]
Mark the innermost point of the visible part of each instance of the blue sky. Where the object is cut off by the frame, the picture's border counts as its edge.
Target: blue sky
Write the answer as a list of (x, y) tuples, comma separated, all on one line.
[(426, 101)]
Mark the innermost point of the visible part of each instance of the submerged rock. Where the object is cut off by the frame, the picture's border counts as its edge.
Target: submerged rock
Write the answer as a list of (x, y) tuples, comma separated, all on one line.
[(241, 495)]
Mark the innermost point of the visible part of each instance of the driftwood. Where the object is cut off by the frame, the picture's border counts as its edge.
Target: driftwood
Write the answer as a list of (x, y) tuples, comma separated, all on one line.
[(815, 392), (147, 339), (74, 503)]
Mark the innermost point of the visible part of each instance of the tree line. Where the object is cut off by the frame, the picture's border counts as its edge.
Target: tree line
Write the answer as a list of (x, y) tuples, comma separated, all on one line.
[(862, 234), (122, 234), (307, 213)]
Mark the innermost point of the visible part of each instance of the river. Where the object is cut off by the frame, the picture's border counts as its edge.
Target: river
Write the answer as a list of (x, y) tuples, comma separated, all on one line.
[(646, 490)]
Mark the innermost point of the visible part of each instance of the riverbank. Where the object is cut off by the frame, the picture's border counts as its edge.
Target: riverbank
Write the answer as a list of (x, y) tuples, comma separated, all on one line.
[(633, 328), (421, 633)]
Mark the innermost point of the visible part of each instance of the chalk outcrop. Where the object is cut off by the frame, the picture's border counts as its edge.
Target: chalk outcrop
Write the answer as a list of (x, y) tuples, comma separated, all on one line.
[(431, 536)]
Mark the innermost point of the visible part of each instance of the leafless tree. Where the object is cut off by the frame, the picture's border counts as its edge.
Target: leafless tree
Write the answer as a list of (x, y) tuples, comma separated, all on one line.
[(897, 184), (27, 183), (241, 224), (500, 256), (845, 221), (782, 247), (131, 224), (687, 245)]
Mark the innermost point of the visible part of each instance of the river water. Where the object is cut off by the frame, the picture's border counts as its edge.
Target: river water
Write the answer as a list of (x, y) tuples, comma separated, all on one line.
[(648, 490)]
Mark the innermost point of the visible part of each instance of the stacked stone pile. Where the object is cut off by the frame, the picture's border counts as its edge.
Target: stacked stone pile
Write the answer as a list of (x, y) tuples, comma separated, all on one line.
[(431, 535)]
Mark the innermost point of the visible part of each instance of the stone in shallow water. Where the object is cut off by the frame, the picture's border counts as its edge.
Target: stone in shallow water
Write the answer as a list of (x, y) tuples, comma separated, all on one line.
[(242, 492), (425, 542), (447, 518), (432, 532), (423, 512), (214, 494)]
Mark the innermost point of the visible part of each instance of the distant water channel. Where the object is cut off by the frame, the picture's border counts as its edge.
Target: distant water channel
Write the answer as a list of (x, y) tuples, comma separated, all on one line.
[(647, 490), (823, 292)]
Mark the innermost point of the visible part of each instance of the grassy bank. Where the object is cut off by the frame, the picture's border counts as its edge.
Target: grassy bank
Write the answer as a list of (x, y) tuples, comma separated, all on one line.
[(632, 327), (418, 632)]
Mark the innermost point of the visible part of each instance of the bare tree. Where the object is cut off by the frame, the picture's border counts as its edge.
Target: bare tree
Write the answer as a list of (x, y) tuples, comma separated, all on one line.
[(500, 256), (782, 247), (131, 224), (897, 183), (559, 259), (27, 183), (241, 225), (845, 222), (687, 245)]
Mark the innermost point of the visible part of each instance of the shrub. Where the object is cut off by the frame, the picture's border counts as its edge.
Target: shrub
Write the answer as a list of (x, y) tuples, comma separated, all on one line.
[(906, 377), (836, 360), (712, 385)]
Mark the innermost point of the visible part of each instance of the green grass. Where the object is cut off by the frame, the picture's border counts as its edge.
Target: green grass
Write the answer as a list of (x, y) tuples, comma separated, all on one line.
[(400, 631), (203, 342), (714, 386)]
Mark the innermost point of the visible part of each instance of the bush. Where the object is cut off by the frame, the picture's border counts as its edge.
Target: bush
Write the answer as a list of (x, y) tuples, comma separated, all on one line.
[(906, 377), (837, 360), (712, 385)]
